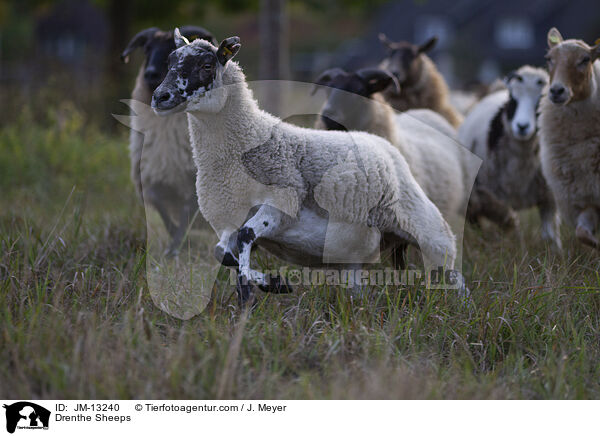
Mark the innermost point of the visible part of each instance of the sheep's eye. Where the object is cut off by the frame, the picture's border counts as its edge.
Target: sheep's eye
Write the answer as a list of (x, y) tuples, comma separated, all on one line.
[(184, 75), (584, 61), (207, 66), (519, 78), (549, 59), (540, 82)]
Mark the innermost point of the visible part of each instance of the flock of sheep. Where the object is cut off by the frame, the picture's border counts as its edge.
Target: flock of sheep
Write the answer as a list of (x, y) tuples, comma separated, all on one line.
[(365, 176)]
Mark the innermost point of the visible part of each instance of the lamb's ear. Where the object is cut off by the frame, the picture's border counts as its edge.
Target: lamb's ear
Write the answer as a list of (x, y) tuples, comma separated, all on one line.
[(228, 49), (554, 37), (180, 40), (385, 40), (428, 45), (325, 77), (377, 80)]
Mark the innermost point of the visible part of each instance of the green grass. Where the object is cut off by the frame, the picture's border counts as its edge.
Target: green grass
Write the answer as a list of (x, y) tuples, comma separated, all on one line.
[(77, 320)]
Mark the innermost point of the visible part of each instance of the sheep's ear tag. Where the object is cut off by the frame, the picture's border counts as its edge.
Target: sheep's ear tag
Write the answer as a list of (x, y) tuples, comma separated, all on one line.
[(597, 42), (228, 49)]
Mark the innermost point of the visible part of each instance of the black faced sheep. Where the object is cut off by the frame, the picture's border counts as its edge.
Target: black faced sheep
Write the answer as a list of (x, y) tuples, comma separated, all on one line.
[(162, 167)]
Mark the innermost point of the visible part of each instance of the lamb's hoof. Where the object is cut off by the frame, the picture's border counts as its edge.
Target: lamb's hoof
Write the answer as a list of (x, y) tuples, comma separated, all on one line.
[(225, 257), (277, 285), (586, 237)]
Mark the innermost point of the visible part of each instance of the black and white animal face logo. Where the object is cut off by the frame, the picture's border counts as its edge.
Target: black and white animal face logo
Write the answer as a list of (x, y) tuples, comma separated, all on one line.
[(403, 58), (26, 415), (157, 45), (343, 110), (525, 87), (194, 69)]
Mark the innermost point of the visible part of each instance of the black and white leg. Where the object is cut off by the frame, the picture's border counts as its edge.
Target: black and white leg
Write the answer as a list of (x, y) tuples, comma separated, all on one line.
[(264, 223), (226, 249)]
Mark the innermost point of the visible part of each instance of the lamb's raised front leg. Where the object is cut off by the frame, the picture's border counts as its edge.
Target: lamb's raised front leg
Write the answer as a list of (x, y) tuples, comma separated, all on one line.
[(587, 223), (264, 223)]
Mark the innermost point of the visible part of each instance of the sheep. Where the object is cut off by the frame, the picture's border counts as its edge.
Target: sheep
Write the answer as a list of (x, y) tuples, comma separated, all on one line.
[(502, 130), (570, 133), (424, 138), (421, 84), (310, 197), (162, 168)]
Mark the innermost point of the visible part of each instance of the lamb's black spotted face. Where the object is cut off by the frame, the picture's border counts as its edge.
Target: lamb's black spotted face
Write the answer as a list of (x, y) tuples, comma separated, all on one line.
[(191, 72)]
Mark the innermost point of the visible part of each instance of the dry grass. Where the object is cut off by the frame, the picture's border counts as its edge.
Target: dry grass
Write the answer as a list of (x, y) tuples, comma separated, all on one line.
[(77, 321)]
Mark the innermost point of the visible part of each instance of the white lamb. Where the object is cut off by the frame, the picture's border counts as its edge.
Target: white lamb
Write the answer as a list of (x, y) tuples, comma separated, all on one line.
[(502, 130), (315, 196)]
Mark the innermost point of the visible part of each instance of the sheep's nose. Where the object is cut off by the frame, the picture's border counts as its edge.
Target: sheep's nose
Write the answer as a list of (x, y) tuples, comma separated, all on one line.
[(523, 127), (163, 97), (557, 90)]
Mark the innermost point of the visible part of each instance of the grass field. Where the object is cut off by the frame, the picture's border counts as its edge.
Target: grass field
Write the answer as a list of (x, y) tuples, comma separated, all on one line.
[(77, 321)]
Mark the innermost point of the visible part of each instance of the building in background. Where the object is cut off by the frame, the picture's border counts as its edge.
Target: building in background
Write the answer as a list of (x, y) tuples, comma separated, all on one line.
[(479, 40)]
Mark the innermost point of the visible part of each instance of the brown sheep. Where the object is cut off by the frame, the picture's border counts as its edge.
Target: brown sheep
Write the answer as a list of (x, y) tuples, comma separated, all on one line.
[(421, 84), (570, 133)]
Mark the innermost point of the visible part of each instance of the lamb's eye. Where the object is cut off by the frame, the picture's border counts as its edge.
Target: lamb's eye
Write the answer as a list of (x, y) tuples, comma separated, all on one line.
[(584, 61), (540, 82), (519, 78), (549, 60), (207, 66)]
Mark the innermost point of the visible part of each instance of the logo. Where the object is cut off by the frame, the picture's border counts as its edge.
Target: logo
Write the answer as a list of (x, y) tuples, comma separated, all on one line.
[(26, 415)]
